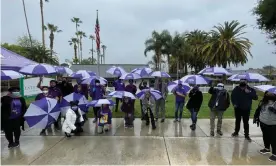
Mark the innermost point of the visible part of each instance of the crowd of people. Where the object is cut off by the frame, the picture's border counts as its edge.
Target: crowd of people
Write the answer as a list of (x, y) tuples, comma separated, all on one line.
[(14, 107)]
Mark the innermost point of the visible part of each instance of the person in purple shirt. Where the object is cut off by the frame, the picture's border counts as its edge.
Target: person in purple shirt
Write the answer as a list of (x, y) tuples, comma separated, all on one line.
[(13, 108), (180, 94), (96, 92), (84, 88), (119, 85)]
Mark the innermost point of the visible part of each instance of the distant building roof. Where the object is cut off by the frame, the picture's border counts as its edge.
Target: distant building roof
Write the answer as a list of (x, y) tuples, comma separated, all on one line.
[(104, 67)]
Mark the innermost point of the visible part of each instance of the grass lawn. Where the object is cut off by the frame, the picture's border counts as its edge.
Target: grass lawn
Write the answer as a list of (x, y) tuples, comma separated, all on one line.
[(204, 111)]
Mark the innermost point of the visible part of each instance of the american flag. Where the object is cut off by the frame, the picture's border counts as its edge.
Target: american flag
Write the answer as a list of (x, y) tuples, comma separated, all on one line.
[(97, 31)]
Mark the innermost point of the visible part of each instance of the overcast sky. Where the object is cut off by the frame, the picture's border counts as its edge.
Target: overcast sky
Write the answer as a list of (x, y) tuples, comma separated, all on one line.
[(126, 24)]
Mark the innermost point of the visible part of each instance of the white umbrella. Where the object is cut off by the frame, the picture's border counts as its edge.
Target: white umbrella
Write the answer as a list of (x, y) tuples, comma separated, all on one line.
[(38, 69), (10, 75)]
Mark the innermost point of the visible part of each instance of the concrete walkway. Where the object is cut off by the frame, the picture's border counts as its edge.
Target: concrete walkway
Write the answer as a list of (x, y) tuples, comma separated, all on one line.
[(170, 144)]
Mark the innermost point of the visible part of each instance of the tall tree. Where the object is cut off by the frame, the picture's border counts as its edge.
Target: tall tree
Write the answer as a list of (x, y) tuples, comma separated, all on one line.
[(80, 35), (92, 38), (27, 23), (77, 21), (53, 29), (226, 46), (104, 48), (74, 42), (156, 63), (167, 46), (42, 22), (88, 61)]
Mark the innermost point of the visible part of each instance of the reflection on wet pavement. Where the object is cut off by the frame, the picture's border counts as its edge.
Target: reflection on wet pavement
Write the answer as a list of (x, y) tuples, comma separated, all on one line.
[(171, 143)]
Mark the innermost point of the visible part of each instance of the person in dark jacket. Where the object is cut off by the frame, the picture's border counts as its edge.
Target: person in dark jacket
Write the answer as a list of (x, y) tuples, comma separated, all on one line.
[(127, 108), (119, 85), (96, 92), (13, 108), (241, 98), (132, 89), (142, 86), (218, 103), (65, 87), (194, 104)]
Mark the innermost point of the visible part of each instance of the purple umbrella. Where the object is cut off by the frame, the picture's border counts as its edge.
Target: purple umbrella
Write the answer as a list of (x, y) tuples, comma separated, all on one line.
[(63, 70), (83, 74), (195, 80), (130, 76), (143, 72), (264, 88), (117, 71), (250, 77), (174, 84), (154, 93), (100, 102), (65, 103), (91, 80), (38, 69), (160, 74), (10, 75), (217, 71), (42, 113)]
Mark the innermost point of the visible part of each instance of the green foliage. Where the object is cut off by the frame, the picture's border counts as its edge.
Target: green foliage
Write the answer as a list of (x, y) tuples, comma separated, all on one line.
[(88, 61)]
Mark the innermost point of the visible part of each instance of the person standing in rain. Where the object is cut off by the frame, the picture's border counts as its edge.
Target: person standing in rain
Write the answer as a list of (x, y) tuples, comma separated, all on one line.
[(13, 108), (194, 104), (142, 86), (84, 88), (119, 85), (161, 86), (241, 98), (218, 103), (132, 89), (128, 109), (148, 105), (180, 95), (96, 92)]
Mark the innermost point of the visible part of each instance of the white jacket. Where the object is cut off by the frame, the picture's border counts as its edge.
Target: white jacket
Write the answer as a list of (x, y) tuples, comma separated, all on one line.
[(70, 120)]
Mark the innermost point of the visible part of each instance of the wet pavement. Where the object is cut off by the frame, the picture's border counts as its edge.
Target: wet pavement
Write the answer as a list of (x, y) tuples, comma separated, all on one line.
[(170, 144)]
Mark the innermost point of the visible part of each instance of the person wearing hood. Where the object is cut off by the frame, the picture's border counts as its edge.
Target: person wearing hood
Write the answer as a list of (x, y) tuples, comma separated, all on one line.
[(194, 104), (161, 86), (96, 92), (180, 95), (128, 109), (241, 98), (265, 116), (105, 119), (142, 86), (119, 85), (148, 105), (73, 120), (218, 103), (13, 108)]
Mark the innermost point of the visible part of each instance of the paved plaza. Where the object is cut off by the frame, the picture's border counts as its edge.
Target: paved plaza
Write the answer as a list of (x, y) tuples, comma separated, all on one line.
[(170, 144)]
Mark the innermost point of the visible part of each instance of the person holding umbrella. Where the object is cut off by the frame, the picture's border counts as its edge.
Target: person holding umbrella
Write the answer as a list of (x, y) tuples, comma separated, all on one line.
[(128, 109), (119, 85), (241, 98), (132, 89), (13, 108), (148, 105), (180, 94), (105, 119), (161, 86), (142, 86), (96, 92)]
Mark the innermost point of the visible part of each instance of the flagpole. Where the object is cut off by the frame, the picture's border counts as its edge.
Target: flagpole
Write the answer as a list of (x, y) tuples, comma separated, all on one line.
[(98, 56)]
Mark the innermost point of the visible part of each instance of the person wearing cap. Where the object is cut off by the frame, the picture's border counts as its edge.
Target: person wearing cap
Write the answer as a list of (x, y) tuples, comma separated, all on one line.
[(161, 86), (96, 92), (218, 103), (194, 104), (13, 108), (180, 94), (242, 97), (73, 120), (142, 86), (119, 85)]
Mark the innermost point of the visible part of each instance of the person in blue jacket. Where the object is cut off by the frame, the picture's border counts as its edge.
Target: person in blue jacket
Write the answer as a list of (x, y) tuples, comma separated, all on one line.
[(96, 92), (119, 85)]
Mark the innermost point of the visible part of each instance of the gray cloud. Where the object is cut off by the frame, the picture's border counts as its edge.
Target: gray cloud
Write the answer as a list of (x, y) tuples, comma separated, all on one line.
[(126, 24)]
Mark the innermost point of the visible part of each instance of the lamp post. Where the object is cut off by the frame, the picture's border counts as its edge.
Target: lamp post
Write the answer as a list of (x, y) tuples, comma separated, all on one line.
[(104, 48)]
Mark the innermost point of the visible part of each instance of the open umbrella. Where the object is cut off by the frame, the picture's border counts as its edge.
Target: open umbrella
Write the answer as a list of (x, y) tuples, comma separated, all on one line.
[(195, 80), (250, 77), (130, 76), (65, 103), (82, 74), (160, 74), (121, 94), (264, 88), (42, 113), (174, 84), (154, 93), (63, 70), (10, 75), (38, 69), (143, 72), (216, 71), (91, 80), (100, 102), (117, 71)]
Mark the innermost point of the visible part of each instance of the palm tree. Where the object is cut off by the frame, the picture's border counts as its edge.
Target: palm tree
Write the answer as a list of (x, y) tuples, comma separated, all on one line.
[(42, 21), (27, 24), (80, 35), (53, 29), (156, 62), (104, 48), (41, 54), (77, 22), (74, 42), (92, 49), (226, 45), (168, 45)]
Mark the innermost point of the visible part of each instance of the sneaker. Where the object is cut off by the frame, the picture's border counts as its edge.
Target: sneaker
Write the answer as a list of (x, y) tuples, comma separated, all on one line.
[(95, 120), (219, 133), (235, 134), (248, 138), (264, 151), (153, 127), (16, 144), (193, 127), (67, 135), (179, 120), (43, 132), (212, 134), (272, 158), (10, 145), (163, 120), (175, 120)]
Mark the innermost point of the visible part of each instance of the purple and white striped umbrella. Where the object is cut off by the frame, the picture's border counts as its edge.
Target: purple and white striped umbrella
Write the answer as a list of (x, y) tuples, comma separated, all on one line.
[(174, 84), (63, 70), (100, 102), (10, 75), (121, 94), (130, 76), (160, 74), (250, 77), (143, 72), (83, 74), (155, 94), (195, 80), (38, 69), (217, 71), (116, 70), (91, 80), (65, 103), (264, 88), (42, 113)]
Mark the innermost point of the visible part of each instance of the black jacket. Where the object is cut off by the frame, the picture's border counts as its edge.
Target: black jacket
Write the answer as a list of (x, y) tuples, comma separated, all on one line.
[(6, 109), (242, 100), (221, 97), (195, 100)]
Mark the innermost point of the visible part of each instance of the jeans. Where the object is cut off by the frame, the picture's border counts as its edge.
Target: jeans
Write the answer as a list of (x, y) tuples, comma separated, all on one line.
[(269, 136), (213, 115), (12, 129), (178, 108), (244, 115), (193, 115)]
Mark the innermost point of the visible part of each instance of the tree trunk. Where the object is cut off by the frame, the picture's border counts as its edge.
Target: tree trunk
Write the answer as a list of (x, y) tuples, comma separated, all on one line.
[(51, 43), (169, 61), (75, 51), (80, 49), (42, 23), (186, 68), (78, 39), (27, 24)]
